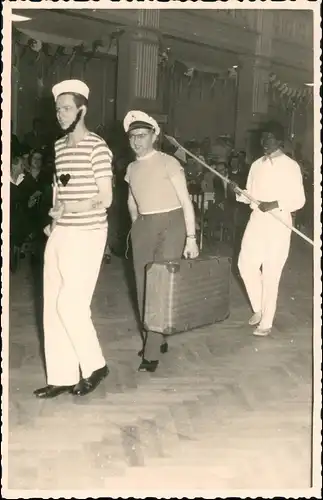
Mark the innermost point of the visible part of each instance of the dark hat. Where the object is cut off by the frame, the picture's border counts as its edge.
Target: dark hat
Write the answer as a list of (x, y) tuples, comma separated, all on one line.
[(24, 149), (275, 128)]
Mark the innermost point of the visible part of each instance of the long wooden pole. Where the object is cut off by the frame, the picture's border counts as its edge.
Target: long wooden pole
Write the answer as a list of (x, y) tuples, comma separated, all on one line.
[(173, 141)]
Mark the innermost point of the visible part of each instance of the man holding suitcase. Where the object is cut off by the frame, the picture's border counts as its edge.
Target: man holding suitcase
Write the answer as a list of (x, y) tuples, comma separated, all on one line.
[(276, 181), (161, 211)]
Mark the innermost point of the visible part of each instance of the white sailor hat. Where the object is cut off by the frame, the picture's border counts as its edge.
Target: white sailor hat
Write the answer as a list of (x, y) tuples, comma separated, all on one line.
[(71, 86), (138, 119)]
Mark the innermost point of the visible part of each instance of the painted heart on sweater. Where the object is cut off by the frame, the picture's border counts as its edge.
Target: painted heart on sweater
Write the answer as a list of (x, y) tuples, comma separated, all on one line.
[(64, 178)]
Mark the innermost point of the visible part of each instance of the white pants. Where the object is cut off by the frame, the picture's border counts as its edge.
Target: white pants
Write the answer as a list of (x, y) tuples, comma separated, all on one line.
[(72, 263), (264, 251)]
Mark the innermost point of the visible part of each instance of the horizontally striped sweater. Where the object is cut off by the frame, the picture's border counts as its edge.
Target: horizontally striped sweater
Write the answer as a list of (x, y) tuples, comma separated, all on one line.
[(77, 170)]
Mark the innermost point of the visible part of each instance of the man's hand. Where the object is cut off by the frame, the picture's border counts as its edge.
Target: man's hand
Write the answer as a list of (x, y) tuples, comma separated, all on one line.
[(34, 198), (57, 211), (241, 197), (267, 206), (191, 250)]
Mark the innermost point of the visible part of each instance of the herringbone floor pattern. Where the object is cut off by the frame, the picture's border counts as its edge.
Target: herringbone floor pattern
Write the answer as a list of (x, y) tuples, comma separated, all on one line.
[(225, 410)]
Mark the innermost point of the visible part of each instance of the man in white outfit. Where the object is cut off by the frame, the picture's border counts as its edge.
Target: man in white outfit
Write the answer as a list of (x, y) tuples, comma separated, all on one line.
[(75, 247), (275, 180)]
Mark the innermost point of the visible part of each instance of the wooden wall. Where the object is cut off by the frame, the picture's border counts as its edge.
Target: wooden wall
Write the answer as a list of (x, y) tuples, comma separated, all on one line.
[(35, 77)]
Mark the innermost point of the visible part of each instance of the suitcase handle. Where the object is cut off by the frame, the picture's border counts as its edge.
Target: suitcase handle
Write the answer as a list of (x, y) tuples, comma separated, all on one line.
[(191, 261)]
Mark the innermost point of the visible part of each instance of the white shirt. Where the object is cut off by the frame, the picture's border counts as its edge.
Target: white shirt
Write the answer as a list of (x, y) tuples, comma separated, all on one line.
[(19, 179), (276, 177)]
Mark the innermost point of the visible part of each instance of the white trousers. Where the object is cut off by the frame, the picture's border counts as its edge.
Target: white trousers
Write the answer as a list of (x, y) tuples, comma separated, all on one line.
[(264, 251), (72, 263)]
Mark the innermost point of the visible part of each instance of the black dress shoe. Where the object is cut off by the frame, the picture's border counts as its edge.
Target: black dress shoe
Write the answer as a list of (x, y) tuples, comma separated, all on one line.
[(52, 391), (148, 366), (87, 385)]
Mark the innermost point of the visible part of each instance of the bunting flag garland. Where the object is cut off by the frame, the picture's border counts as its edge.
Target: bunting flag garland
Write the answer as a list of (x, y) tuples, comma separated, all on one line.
[(25, 43), (75, 51), (187, 77), (190, 76), (60, 51), (294, 95)]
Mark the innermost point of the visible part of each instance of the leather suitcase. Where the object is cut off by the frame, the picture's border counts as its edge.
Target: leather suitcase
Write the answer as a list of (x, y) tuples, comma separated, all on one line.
[(187, 294)]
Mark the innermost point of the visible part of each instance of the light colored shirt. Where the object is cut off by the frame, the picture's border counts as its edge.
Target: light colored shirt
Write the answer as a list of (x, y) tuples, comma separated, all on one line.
[(86, 162), (149, 179), (18, 181), (276, 178)]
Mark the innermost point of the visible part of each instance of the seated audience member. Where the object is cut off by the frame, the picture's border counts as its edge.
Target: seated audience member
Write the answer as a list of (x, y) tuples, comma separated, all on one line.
[(24, 152), (194, 170), (39, 183), (207, 186), (19, 223), (30, 202), (220, 187), (221, 211)]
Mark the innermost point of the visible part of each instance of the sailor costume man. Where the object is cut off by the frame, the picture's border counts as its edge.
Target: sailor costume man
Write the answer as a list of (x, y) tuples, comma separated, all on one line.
[(75, 247), (161, 211)]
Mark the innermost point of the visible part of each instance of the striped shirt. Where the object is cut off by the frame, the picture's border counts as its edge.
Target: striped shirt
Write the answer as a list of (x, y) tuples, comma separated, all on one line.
[(77, 170)]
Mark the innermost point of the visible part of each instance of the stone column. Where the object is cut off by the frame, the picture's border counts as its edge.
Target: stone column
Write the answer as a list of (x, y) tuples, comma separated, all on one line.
[(252, 99), (138, 65)]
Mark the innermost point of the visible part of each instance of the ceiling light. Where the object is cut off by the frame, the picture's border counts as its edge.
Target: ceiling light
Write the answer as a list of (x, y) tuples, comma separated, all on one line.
[(17, 18), (309, 84)]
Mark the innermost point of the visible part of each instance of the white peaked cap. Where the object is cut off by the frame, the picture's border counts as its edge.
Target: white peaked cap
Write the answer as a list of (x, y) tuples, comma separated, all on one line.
[(71, 86), (139, 116)]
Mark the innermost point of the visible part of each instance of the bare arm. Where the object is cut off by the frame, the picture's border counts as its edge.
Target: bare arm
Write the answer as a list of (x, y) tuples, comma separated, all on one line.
[(101, 159), (179, 182), (101, 200), (132, 206), (55, 204)]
